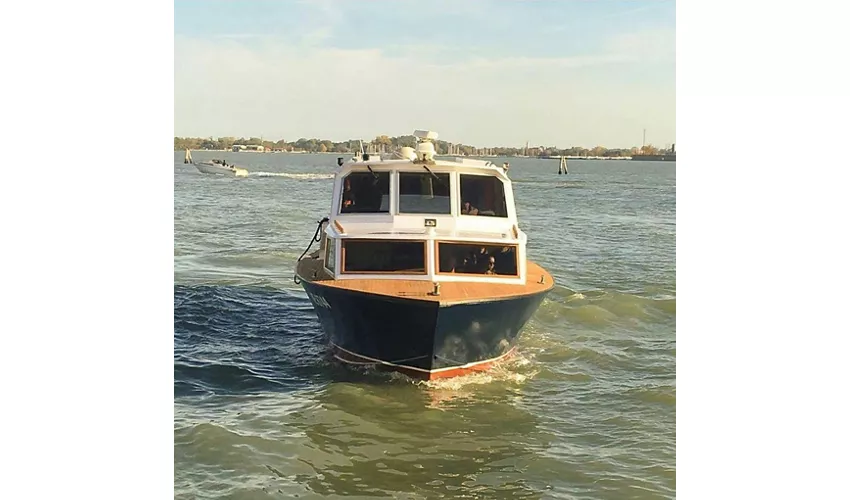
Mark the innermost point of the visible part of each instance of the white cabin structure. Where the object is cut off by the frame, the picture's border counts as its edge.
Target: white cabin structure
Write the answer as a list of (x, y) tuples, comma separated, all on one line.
[(419, 218)]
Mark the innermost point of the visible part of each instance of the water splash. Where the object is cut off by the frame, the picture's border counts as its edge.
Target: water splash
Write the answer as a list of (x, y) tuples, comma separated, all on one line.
[(291, 176)]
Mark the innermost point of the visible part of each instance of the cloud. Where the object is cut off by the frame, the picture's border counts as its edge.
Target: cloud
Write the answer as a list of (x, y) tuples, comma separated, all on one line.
[(518, 63), (655, 5), (271, 88), (657, 45), (317, 36), (241, 36), (319, 21)]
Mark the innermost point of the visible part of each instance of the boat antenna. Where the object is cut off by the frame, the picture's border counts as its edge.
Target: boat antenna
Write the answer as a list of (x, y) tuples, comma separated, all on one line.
[(434, 175), (373, 172)]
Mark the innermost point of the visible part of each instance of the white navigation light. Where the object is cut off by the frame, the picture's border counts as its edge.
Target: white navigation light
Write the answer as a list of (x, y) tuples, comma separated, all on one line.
[(425, 134)]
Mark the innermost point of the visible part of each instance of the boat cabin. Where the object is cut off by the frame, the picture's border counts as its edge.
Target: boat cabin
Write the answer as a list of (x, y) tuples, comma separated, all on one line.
[(419, 218)]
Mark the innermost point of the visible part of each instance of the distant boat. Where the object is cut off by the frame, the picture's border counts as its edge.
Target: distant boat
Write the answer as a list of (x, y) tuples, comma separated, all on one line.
[(220, 167), (668, 156), (664, 157)]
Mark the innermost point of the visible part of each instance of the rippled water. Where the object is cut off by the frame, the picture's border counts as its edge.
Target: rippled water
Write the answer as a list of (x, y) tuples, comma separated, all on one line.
[(587, 409)]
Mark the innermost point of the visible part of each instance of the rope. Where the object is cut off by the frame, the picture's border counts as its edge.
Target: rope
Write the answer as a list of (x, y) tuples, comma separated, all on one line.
[(316, 237), (452, 361), (386, 363), (398, 361)]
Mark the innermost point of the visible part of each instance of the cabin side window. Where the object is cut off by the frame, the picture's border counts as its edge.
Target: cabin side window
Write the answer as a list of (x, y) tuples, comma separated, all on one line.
[(482, 195), (365, 192), (383, 256), (424, 193), (476, 258), (330, 254)]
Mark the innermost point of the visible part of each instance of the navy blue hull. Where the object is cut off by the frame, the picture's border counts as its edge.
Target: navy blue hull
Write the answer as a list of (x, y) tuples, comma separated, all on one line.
[(419, 337)]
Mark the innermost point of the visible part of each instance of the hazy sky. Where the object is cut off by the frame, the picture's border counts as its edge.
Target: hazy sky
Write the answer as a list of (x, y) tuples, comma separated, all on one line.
[(482, 72)]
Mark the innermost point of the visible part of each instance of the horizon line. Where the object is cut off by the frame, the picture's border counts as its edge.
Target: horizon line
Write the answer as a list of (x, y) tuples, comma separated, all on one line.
[(369, 141)]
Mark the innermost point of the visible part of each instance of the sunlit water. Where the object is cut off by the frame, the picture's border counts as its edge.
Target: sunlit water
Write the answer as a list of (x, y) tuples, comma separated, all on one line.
[(586, 410)]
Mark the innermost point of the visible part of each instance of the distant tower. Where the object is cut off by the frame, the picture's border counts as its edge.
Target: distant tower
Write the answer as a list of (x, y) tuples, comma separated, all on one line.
[(673, 149)]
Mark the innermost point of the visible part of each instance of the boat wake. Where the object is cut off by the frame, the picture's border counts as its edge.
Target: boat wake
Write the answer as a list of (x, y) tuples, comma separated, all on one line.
[(291, 176)]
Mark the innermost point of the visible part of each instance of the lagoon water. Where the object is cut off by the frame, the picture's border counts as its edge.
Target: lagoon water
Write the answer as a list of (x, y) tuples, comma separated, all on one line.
[(586, 410)]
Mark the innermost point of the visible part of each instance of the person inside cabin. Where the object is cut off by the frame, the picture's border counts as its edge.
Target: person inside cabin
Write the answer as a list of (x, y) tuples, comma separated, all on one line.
[(468, 209), (476, 261), (482, 260), (491, 267), (347, 196), (468, 263), (450, 264)]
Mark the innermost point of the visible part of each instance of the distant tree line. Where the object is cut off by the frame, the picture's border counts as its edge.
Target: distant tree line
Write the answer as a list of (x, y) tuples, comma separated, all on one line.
[(385, 143)]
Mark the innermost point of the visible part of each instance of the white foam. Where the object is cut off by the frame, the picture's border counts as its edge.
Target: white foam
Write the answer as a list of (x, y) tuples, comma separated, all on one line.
[(503, 371), (291, 176)]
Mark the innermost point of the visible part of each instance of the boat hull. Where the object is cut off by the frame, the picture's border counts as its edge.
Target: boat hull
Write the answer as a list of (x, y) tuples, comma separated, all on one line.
[(211, 168), (421, 338)]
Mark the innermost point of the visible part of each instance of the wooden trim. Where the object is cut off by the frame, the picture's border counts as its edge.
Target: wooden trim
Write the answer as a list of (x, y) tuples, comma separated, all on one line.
[(339, 227), (425, 252), (451, 292), (478, 244), (383, 273)]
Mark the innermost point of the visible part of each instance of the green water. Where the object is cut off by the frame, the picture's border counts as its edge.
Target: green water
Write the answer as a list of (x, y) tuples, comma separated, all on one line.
[(587, 409)]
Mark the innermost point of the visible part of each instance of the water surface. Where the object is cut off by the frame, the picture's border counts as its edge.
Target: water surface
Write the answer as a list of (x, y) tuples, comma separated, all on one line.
[(586, 410)]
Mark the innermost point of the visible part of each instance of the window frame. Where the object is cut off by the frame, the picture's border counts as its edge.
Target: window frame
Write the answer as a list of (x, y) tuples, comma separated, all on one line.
[(437, 270), (390, 182), (425, 256), (397, 190), (460, 213), (330, 255)]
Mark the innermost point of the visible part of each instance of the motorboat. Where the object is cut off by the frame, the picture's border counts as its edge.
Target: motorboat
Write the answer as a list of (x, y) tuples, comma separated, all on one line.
[(421, 266), (220, 167)]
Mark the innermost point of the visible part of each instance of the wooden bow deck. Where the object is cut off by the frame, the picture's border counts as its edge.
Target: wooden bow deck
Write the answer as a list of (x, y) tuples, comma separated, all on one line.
[(450, 291)]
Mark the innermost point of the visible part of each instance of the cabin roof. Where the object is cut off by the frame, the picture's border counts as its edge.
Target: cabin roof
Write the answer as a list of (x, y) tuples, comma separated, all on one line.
[(463, 165)]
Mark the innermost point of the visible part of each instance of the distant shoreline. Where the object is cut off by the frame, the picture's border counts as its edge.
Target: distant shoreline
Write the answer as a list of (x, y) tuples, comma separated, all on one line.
[(665, 158), (386, 144)]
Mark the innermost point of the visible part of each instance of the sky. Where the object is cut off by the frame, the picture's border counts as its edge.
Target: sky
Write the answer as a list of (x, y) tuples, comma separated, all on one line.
[(486, 73)]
